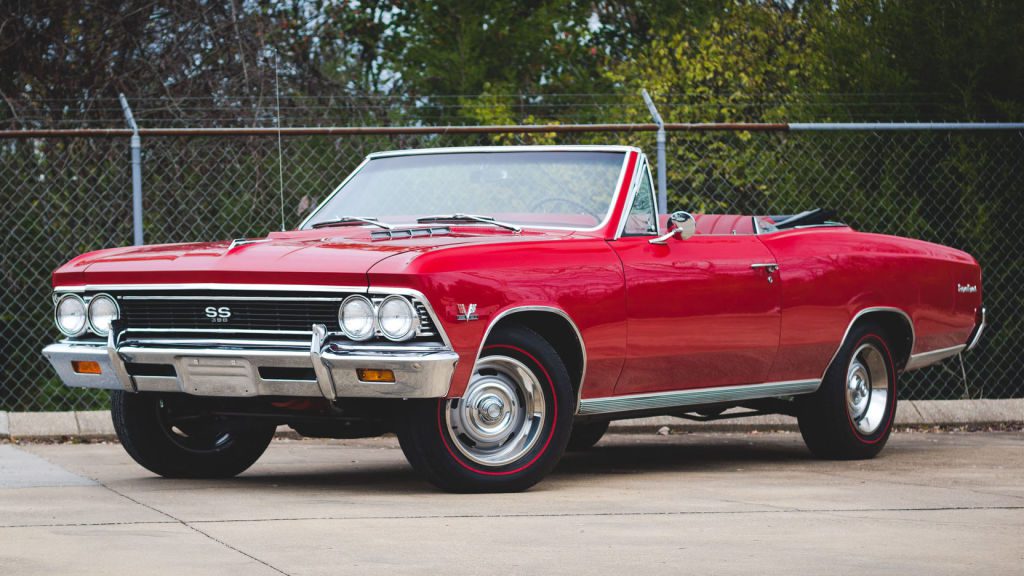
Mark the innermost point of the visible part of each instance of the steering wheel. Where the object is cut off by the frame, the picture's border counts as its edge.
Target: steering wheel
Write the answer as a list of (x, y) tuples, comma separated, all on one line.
[(569, 201)]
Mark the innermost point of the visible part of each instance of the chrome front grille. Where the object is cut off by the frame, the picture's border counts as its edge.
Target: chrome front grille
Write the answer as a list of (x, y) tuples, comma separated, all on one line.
[(250, 313), (226, 313)]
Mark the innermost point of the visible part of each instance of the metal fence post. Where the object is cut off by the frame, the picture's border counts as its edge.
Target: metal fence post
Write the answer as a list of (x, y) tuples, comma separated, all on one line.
[(136, 145), (660, 139)]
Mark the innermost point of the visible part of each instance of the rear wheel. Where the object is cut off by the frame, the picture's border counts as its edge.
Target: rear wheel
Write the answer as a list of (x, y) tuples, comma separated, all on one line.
[(850, 417), (586, 434), (509, 428), (168, 436)]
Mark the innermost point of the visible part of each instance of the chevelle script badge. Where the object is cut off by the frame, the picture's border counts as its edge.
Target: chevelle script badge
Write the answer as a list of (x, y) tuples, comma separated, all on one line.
[(966, 288)]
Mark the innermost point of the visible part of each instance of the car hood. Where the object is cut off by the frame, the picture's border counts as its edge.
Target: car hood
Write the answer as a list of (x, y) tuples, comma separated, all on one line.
[(328, 257)]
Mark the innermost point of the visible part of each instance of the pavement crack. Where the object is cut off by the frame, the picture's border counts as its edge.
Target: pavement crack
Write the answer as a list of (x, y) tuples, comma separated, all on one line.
[(242, 552), (193, 528), (192, 525), (623, 514)]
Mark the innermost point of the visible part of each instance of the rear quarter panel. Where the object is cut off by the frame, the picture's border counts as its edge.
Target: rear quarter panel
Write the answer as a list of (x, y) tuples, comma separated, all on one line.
[(829, 275), (579, 275)]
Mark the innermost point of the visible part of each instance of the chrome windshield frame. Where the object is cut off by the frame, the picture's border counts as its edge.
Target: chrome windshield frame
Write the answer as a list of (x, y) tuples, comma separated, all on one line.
[(605, 222)]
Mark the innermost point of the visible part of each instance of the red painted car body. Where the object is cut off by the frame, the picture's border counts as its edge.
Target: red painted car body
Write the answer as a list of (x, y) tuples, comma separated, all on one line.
[(738, 311), (698, 315)]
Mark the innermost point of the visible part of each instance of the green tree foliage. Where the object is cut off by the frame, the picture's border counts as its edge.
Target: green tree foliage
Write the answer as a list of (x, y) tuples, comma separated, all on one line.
[(709, 60)]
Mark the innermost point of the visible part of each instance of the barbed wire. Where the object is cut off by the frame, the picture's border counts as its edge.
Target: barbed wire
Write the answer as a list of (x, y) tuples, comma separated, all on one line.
[(295, 110)]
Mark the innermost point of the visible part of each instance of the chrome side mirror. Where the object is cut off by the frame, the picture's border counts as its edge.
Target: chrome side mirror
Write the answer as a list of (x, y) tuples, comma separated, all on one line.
[(681, 225)]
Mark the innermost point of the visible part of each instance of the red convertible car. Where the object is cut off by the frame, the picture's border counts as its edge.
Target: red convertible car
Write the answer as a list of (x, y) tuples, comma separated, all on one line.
[(495, 307)]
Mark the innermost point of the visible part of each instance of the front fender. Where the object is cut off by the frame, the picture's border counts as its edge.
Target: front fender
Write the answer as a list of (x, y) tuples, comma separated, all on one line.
[(580, 276)]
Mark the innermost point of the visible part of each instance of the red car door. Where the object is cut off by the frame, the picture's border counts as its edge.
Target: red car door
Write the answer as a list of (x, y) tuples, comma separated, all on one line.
[(702, 312)]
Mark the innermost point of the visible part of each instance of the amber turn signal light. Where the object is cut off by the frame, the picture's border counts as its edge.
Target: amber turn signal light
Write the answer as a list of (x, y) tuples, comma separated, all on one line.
[(374, 375), (86, 367)]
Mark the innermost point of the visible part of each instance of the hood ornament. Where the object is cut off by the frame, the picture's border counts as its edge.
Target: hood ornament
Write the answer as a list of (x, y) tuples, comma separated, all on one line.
[(243, 241)]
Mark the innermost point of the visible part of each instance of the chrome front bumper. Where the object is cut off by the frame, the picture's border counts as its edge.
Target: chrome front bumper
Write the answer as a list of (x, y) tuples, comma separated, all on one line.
[(325, 370)]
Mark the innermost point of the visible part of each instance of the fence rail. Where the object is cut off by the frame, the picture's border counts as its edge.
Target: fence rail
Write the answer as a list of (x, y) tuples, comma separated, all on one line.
[(66, 192), (516, 129)]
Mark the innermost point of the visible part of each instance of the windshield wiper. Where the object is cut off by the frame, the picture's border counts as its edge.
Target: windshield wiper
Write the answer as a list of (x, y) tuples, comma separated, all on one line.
[(469, 218), (351, 220)]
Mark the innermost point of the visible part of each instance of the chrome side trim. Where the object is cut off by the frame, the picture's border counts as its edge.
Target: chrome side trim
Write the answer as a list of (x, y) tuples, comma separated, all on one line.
[(857, 316), (694, 397), (550, 309), (933, 356), (976, 337)]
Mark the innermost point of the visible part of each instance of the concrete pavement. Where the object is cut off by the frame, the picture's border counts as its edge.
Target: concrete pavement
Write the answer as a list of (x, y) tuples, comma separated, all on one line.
[(933, 503)]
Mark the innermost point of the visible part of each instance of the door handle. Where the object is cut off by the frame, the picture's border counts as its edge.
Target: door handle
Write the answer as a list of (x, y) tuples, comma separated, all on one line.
[(769, 267)]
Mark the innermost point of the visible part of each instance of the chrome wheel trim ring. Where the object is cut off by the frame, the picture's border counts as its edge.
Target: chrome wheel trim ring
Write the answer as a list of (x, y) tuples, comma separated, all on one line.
[(502, 414), (867, 389)]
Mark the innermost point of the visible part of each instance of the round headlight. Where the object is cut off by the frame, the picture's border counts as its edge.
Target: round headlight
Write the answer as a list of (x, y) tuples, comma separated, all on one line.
[(356, 317), (103, 310), (70, 315), (397, 318)]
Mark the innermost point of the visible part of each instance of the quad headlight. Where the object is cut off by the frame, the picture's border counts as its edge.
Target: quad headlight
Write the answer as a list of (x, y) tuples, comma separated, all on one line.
[(70, 315), (397, 318), (103, 310), (357, 318)]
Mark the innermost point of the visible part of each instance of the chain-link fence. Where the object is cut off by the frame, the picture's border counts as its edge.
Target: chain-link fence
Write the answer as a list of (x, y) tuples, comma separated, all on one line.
[(64, 195)]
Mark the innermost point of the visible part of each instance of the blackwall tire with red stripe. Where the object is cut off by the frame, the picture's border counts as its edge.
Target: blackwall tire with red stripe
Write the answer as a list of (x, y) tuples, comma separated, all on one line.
[(507, 431), (851, 415)]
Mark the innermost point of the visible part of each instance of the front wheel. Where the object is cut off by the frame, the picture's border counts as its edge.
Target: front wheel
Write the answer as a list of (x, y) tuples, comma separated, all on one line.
[(169, 436), (509, 428), (850, 416)]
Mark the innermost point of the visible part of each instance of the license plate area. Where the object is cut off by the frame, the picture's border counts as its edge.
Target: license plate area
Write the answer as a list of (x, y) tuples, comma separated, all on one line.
[(217, 376)]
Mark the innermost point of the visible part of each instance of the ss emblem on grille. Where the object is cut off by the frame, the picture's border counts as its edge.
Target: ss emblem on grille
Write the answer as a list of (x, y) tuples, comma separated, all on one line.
[(218, 314)]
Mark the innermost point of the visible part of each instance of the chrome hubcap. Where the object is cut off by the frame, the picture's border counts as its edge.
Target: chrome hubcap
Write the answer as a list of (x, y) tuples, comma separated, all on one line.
[(867, 389), (501, 415)]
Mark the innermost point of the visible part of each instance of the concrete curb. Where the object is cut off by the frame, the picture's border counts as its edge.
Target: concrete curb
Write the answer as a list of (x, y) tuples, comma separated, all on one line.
[(97, 424)]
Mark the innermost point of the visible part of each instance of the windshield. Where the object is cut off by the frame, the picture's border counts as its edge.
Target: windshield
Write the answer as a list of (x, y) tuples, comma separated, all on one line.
[(565, 189)]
